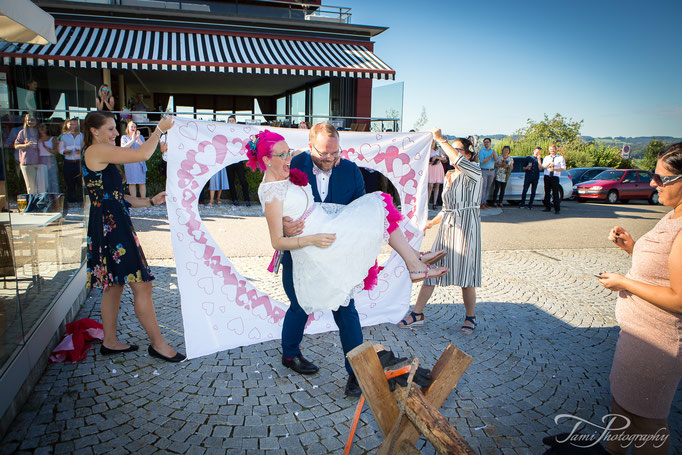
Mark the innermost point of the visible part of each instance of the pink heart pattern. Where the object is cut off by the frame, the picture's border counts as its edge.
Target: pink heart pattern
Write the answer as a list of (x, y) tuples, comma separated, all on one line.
[(243, 310)]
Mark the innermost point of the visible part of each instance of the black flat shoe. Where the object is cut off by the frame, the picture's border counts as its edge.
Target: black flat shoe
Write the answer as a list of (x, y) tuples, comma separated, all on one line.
[(352, 388), (300, 365), (106, 351), (176, 358)]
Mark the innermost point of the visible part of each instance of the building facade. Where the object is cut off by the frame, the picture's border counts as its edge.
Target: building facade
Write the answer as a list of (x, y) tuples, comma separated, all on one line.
[(266, 61)]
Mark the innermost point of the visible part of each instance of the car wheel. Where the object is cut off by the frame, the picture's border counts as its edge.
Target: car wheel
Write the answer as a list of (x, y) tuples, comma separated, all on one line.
[(513, 202), (561, 194), (612, 197), (653, 200), (579, 199)]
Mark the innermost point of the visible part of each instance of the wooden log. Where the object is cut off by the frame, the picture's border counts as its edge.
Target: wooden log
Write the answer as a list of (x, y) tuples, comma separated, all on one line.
[(446, 374), (405, 448), (387, 448), (432, 424), (372, 380)]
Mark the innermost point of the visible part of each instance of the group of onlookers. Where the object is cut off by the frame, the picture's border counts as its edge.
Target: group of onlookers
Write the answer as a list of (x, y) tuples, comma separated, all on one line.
[(35, 151), (496, 171)]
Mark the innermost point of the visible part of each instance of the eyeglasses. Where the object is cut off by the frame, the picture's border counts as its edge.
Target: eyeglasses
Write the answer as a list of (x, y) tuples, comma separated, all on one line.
[(663, 180), (286, 155), (327, 155), (459, 149)]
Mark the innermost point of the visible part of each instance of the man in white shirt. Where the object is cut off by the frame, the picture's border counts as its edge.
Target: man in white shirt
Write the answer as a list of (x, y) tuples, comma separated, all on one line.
[(71, 146), (553, 165)]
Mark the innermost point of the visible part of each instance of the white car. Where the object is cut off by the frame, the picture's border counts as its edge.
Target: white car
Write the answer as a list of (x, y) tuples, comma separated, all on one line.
[(515, 184)]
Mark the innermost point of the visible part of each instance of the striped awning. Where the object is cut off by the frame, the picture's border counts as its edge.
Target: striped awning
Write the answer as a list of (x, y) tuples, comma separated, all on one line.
[(148, 48)]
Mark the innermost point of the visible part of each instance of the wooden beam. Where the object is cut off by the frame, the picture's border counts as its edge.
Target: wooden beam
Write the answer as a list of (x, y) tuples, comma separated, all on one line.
[(372, 380), (446, 374), (432, 424)]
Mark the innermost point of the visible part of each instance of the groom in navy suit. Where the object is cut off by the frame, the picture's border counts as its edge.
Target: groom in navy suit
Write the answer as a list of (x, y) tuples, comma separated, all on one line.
[(339, 181)]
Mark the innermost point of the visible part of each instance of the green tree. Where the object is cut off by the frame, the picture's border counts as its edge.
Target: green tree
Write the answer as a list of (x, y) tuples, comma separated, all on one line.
[(421, 121), (558, 129), (651, 155)]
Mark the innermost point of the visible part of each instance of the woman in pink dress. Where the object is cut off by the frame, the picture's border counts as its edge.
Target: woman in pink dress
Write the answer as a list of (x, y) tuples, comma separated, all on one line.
[(436, 172), (647, 365)]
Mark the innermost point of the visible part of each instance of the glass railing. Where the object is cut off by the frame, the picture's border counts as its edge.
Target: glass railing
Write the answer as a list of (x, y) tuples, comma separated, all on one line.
[(42, 231), (262, 8)]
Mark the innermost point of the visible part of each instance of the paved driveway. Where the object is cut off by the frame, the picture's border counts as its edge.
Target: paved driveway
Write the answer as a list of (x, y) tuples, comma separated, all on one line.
[(243, 232), (540, 350)]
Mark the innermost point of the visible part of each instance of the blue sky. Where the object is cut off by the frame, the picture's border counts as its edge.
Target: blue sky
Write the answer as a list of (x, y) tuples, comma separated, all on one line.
[(485, 68)]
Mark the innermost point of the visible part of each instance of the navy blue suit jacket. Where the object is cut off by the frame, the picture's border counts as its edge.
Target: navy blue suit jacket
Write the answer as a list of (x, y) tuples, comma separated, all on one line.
[(346, 183)]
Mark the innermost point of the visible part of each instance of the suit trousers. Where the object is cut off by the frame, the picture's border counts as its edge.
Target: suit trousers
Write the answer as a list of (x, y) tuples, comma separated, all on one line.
[(235, 171), (552, 188), (346, 318), (72, 177)]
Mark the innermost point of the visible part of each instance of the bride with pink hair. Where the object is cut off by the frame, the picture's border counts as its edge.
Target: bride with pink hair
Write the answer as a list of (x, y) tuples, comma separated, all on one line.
[(336, 254)]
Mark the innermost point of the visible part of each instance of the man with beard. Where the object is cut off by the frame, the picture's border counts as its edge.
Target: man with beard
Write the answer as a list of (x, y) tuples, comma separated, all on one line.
[(333, 180)]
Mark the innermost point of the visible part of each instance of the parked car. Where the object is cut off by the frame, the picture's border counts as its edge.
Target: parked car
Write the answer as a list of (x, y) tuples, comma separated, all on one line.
[(583, 174), (615, 185), (515, 185)]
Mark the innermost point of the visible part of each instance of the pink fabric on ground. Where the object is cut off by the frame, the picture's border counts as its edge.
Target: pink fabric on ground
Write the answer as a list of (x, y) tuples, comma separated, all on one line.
[(73, 347), (394, 217)]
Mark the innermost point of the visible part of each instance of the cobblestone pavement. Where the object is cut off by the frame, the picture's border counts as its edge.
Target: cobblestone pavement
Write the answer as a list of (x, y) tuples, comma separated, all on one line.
[(543, 347)]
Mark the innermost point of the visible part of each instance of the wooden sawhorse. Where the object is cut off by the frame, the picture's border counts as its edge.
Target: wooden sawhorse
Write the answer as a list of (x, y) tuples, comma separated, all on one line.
[(419, 415)]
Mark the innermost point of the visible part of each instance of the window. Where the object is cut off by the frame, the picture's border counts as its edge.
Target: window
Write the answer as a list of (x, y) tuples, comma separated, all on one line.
[(281, 108), (321, 103), (4, 92), (185, 111), (205, 114), (298, 107), (630, 177), (644, 177)]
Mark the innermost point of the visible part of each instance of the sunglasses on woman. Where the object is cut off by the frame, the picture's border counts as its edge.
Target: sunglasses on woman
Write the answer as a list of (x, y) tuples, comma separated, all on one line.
[(663, 180)]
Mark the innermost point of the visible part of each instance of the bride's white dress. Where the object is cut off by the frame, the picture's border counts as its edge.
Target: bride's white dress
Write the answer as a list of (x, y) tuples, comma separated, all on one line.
[(327, 278)]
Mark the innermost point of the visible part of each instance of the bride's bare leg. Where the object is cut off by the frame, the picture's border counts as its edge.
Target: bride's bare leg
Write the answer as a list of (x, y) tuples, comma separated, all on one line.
[(411, 257)]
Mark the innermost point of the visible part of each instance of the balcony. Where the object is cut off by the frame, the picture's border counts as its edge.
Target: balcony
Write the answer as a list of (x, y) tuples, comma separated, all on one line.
[(295, 10)]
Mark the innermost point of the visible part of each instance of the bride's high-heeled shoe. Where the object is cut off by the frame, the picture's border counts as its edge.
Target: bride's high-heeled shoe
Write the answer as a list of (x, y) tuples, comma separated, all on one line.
[(437, 256)]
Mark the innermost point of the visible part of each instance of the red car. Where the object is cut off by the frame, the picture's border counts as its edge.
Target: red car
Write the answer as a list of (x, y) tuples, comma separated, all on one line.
[(613, 185)]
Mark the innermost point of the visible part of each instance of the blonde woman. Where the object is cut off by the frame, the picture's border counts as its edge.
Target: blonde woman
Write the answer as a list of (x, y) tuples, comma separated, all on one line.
[(136, 173)]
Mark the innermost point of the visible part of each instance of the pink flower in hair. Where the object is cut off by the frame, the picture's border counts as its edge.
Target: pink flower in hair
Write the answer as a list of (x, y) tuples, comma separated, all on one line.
[(298, 177)]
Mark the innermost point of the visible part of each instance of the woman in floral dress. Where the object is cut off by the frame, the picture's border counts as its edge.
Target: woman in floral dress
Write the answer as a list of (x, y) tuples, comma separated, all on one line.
[(114, 256)]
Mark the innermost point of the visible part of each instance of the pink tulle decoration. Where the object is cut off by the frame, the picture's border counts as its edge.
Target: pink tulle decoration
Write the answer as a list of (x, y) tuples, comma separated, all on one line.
[(394, 217), (372, 277), (298, 177)]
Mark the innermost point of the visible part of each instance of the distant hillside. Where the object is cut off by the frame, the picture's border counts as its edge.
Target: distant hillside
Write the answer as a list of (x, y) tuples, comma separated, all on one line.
[(637, 144)]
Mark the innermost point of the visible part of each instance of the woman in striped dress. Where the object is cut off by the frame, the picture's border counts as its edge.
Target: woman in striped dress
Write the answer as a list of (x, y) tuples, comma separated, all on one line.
[(459, 234)]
